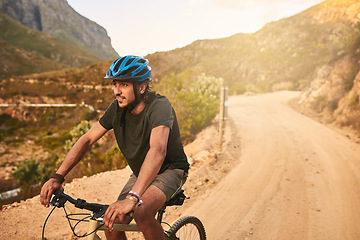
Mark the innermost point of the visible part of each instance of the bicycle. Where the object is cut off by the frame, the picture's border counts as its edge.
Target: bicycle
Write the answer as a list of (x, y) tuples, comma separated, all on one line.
[(185, 228)]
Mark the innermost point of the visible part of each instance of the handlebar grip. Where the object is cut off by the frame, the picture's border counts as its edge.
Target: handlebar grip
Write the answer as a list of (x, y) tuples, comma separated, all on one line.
[(57, 193), (58, 200)]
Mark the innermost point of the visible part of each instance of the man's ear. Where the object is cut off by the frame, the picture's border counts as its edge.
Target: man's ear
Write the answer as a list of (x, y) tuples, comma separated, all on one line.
[(142, 88)]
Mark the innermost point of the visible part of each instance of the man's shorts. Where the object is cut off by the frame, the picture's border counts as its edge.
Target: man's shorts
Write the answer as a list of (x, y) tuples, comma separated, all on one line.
[(169, 182)]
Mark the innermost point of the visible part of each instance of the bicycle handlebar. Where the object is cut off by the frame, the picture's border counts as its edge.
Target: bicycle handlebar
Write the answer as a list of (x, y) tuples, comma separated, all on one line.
[(60, 199)]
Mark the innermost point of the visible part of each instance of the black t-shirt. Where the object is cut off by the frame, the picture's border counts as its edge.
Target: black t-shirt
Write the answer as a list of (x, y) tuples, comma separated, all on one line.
[(133, 137)]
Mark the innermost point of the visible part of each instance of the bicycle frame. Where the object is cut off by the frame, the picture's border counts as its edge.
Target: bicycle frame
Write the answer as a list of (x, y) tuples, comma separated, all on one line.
[(94, 224)]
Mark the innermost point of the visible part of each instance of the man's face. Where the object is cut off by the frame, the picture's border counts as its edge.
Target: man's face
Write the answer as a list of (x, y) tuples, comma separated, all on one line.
[(124, 92)]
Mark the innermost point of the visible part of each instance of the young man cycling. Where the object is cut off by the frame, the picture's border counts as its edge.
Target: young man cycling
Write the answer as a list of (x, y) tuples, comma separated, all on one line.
[(147, 133)]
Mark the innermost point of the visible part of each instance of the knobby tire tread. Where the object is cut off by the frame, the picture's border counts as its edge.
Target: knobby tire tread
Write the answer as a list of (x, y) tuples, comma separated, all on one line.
[(181, 222)]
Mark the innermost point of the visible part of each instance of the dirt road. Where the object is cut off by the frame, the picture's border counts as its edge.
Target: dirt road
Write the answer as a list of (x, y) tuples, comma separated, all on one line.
[(282, 176), (297, 179)]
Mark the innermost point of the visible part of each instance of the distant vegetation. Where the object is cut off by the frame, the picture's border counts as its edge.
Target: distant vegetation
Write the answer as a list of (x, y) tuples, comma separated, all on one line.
[(63, 86)]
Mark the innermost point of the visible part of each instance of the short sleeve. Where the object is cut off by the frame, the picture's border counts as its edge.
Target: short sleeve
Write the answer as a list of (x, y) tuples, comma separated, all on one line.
[(107, 119), (161, 113)]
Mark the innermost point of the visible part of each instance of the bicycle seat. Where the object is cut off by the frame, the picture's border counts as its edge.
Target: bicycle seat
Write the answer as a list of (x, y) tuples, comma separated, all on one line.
[(178, 199)]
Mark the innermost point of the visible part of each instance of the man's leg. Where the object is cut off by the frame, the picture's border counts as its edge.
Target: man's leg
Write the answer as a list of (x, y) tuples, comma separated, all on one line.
[(144, 215), (115, 235)]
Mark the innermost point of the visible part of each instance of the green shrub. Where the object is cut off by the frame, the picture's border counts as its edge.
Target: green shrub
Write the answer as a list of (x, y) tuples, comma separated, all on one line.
[(9, 126), (114, 159), (30, 174), (75, 134), (194, 98)]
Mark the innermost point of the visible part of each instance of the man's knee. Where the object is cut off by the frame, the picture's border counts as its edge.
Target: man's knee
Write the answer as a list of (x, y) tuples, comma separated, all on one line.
[(153, 200), (142, 213)]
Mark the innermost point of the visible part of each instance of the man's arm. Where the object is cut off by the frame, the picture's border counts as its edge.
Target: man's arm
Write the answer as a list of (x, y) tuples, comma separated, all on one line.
[(72, 158), (79, 149), (153, 160)]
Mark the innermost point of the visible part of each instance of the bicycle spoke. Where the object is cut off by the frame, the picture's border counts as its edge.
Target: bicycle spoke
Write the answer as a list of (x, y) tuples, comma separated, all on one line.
[(188, 232)]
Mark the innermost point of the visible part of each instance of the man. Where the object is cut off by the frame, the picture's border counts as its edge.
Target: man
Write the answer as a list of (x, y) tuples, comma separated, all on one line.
[(147, 132)]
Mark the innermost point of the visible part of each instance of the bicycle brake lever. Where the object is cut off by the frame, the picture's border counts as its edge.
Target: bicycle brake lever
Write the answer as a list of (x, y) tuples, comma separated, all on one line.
[(100, 213)]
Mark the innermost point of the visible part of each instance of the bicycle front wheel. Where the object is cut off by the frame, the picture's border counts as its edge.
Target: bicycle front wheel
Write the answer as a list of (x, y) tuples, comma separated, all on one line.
[(187, 228)]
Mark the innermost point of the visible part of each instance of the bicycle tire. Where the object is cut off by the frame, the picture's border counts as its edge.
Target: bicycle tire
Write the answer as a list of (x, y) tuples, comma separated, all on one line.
[(187, 228)]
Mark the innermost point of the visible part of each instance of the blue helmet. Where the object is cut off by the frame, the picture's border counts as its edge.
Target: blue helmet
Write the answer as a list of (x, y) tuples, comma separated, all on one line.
[(130, 68)]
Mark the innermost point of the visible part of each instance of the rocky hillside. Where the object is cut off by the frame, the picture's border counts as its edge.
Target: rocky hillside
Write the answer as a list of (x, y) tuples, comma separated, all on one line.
[(24, 50), (57, 18), (334, 94)]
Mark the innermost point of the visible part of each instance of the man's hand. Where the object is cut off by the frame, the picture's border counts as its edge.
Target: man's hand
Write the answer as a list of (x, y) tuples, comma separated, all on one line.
[(118, 210), (47, 190)]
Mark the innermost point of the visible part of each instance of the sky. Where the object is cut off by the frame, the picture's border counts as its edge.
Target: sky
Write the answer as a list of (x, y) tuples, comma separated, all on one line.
[(142, 27)]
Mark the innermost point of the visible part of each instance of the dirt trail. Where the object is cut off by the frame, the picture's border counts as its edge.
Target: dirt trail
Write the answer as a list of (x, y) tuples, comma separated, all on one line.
[(281, 176), (297, 179)]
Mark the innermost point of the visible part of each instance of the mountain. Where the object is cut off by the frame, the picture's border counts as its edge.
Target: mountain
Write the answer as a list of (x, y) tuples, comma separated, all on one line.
[(57, 18), (285, 52), (24, 50)]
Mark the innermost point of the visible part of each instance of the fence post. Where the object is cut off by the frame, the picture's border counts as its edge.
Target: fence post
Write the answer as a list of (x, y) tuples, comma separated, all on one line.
[(226, 90), (222, 114), (221, 119)]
